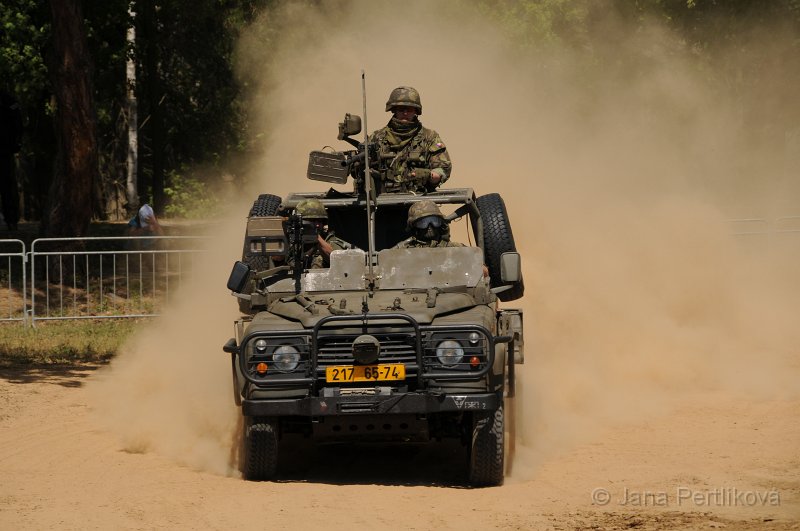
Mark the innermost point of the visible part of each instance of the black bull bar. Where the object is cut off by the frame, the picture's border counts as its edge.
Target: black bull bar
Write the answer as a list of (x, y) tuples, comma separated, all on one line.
[(380, 404), (373, 319)]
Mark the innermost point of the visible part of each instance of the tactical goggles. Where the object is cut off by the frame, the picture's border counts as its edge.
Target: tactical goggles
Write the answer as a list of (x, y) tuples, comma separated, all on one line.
[(428, 221)]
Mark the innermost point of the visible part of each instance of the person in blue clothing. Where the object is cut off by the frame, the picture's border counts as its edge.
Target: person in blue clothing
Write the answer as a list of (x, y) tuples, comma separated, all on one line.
[(145, 223)]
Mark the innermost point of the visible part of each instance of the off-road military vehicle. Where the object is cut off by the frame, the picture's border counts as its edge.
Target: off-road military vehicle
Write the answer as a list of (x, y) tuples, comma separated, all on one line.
[(386, 344)]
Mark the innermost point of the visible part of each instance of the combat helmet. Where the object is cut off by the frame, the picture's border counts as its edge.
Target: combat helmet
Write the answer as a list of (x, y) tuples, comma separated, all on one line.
[(423, 209), (406, 96), (311, 209)]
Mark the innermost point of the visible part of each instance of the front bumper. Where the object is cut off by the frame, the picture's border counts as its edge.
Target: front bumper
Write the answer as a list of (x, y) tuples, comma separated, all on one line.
[(382, 404), (402, 340)]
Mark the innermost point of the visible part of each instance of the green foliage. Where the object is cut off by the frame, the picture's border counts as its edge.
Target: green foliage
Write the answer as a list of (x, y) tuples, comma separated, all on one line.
[(189, 198), (204, 113), (540, 24), (741, 47), (23, 33), (188, 90)]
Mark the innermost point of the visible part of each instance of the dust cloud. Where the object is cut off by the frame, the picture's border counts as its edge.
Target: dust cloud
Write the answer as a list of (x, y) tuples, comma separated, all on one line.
[(169, 389), (620, 183)]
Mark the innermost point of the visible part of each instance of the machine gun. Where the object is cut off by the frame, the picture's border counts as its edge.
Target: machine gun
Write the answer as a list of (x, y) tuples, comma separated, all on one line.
[(379, 167), (300, 233), (337, 166)]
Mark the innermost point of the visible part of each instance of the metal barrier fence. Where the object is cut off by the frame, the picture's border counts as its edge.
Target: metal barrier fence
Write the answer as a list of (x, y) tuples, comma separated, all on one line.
[(119, 277), (107, 277), (13, 303)]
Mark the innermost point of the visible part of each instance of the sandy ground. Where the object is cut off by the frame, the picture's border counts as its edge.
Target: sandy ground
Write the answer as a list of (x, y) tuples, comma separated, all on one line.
[(714, 462)]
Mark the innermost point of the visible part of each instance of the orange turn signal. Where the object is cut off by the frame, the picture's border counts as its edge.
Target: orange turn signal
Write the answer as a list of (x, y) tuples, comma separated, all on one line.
[(474, 361), (261, 368)]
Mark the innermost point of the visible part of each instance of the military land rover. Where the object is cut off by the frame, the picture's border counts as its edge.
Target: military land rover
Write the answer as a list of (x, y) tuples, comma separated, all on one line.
[(385, 344)]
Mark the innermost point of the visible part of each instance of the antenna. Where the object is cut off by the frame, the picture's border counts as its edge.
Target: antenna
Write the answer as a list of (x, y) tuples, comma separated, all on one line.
[(368, 189)]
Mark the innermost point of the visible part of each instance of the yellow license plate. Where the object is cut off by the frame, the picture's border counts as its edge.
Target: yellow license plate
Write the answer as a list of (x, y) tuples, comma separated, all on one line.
[(365, 373)]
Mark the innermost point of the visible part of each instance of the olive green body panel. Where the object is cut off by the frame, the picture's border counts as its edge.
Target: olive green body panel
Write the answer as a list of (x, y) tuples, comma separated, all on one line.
[(442, 267)]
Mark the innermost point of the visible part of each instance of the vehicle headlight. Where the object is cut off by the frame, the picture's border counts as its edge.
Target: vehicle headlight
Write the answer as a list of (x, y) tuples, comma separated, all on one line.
[(286, 358), (449, 352), (261, 346), (474, 338)]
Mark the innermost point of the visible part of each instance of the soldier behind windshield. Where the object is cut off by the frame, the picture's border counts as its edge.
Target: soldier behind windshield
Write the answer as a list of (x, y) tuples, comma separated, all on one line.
[(316, 254), (427, 226)]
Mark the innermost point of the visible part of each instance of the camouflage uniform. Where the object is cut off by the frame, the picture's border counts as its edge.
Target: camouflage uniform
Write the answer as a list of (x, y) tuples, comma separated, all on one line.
[(426, 209), (313, 209), (413, 242), (316, 259), (408, 146)]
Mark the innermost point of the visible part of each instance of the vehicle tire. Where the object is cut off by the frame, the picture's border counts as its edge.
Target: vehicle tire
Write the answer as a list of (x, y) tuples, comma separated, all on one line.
[(486, 463), (264, 205), (260, 449), (497, 239)]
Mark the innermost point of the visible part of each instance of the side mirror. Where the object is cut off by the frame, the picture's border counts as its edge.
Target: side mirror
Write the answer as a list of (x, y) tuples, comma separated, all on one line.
[(351, 125), (510, 267), (238, 278)]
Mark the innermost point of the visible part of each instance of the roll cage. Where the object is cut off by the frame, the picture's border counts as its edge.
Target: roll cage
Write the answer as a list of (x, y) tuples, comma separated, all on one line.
[(346, 214)]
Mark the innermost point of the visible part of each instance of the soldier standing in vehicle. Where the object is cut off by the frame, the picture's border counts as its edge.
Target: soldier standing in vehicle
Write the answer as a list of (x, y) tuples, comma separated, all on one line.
[(319, 255), (417, 158)]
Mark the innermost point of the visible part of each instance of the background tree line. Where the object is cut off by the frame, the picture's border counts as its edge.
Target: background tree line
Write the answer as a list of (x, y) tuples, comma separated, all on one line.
[(65, 62)]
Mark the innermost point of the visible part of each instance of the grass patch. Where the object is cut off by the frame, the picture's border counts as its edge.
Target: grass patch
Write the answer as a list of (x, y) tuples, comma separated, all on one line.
[(63, 342)]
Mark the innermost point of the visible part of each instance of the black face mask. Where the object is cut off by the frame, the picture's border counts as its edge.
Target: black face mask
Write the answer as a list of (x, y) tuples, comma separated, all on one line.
[(429, 234), (428, 228)]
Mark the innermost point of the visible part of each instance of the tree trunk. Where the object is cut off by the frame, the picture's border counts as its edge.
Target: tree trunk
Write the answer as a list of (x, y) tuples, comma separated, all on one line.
[(76, 167), (131, 189), (154, 95)]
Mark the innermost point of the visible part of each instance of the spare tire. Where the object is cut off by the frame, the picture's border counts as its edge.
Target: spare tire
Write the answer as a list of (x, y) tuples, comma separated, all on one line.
[(498, 239), (265, 205)]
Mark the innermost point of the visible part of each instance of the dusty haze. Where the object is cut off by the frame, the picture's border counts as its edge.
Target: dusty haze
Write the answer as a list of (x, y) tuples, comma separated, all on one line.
[(619, 183)]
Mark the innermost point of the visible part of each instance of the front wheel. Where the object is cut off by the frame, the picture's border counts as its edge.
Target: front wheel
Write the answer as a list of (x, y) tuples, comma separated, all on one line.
[(260, 449), (486, 457)]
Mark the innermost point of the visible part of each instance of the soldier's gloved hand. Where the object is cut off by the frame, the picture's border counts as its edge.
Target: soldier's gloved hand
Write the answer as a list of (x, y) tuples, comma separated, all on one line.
[(421, 174)]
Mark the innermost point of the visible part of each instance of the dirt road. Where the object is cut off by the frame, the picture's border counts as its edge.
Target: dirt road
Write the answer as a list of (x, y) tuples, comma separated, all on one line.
[(714, 462)]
